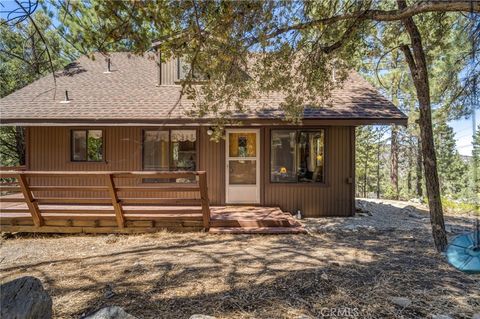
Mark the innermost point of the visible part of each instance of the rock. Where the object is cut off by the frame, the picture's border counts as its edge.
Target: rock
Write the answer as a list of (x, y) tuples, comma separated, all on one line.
[(25, 298), (441, 317), (353, 228), (201, 317), (109, 293), (363, 213), (324, 276), (401, 301), (113, 312), (409, 209), (111, 239)]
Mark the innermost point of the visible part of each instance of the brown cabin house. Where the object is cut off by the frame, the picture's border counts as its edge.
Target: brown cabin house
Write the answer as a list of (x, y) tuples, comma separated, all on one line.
[(128, 118)]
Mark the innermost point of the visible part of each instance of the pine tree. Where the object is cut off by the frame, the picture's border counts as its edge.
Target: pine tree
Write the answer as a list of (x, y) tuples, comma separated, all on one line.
[(369, 161), (452, 170)]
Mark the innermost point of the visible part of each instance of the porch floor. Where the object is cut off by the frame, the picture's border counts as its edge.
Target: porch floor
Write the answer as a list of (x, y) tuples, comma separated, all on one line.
[(15, 216)]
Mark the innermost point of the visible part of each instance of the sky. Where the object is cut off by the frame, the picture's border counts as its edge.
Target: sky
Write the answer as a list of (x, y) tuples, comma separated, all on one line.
[(463, 134)]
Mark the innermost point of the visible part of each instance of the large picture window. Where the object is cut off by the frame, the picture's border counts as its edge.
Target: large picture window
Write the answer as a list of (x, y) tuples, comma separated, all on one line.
[(169, 150), (86, 146), (297, 156)]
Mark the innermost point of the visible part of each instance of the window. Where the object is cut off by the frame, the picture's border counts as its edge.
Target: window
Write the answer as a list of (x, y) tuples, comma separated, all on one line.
[(183, 70), (297, 156), (169, 150), (87, 145)]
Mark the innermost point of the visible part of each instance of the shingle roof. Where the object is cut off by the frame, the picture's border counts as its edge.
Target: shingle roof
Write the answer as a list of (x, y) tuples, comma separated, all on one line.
[(130, 93)]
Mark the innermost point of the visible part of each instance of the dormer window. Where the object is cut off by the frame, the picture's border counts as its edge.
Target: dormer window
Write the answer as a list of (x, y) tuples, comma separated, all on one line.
[(183, 70)]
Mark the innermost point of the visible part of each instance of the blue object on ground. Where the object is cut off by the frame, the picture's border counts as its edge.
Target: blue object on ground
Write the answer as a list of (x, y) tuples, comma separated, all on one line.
[(463, 252)]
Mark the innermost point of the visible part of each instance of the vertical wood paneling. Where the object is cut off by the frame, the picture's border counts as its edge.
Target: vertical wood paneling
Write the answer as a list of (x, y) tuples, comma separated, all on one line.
[(212, 160), (49, 149), (169, 72), (332, 199)]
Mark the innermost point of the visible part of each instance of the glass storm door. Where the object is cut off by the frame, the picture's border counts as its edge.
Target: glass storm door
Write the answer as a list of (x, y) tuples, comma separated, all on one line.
[(243, 166)]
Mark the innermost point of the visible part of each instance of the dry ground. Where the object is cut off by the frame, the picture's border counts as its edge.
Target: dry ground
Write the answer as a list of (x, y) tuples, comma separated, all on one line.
[(167, 275)]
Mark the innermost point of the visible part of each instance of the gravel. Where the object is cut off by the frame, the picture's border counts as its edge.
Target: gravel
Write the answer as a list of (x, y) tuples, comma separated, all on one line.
[(375, 215)]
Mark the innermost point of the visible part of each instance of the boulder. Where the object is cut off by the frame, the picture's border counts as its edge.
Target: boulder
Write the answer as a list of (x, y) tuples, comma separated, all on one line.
[(409, 209), (25, 298), (112, 312)]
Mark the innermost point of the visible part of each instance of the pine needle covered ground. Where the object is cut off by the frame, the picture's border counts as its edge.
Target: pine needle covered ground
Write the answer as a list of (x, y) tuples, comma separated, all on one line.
[(167, 275)]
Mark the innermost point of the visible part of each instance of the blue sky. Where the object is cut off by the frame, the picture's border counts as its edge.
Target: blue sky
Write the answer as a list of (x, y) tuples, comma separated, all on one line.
[(463, 134)]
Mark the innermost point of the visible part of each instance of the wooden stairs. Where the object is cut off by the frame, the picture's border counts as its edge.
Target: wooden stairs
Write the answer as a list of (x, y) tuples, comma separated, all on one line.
[(253, 220)]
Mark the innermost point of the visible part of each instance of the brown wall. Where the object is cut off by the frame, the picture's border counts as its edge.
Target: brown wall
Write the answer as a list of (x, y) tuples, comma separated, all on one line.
[(49, 149)]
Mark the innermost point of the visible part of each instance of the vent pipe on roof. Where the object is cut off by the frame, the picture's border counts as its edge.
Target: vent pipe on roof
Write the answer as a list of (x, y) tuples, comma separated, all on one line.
[(67, 99), (109, 63)]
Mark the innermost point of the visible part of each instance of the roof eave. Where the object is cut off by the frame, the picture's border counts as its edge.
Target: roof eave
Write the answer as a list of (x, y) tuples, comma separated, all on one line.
[(200, 122)]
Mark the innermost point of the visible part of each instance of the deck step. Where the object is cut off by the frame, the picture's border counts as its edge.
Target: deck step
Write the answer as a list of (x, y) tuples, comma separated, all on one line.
[(257, 230), (252, 223)]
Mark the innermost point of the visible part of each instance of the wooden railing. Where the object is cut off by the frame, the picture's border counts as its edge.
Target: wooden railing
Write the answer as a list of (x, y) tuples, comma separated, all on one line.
[(13, 168), (117, 190)]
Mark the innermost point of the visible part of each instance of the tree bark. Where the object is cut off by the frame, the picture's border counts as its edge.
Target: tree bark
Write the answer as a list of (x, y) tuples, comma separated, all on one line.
[(366, 175), (378, 169), (394, 161), (410, 165), (418, 67), (419, 168)]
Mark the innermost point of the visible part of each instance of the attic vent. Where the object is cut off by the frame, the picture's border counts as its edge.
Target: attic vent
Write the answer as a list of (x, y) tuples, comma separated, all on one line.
[(67, 99), (108, 66)]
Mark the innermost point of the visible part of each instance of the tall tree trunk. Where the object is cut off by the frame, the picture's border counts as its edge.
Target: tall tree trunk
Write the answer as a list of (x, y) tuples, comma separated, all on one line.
[(409, 171), (419, 168), (394, 161), (365, 174), (378, 169), (417, 64)]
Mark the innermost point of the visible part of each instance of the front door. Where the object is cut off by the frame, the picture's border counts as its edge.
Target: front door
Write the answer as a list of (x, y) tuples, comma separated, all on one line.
[(243, 166)]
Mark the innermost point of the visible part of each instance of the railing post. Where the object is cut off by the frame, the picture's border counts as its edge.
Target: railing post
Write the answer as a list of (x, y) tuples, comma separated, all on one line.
[(30, 200), (202, 183), (115, 201)]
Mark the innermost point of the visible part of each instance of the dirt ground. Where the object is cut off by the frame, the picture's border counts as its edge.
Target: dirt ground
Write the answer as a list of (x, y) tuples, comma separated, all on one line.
[(332, 272)]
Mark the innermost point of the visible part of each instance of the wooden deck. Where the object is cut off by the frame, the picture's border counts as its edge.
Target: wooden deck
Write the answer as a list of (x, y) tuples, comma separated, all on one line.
[(14, 217), (28, 207)]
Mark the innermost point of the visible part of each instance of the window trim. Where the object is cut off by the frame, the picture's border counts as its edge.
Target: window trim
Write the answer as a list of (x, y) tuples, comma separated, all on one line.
[(104, 158), (297, 183), (170, 160)]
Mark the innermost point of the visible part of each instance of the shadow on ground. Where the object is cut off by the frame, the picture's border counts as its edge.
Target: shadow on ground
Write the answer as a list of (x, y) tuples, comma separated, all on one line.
[(176, 275)]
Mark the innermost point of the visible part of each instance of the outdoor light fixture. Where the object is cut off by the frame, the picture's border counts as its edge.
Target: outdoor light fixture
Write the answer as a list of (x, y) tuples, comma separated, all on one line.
[(209, 131)]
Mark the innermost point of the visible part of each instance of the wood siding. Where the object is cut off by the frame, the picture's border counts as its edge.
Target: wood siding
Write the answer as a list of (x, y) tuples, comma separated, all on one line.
[(49, 150), (169, 72), (334, 198)]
